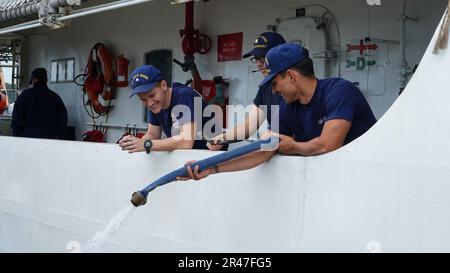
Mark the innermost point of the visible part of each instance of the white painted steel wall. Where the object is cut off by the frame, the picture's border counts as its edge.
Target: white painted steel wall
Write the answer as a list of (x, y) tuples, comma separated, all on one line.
[(388, 189), (59, 199), (136, 30)]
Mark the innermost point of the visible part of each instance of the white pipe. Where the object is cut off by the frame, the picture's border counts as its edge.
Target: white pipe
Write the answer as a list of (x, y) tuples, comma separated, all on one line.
[(79, 13), (325, 38), (55, 4), (338, 31), (20, 25), (102, 8), (18, 12), (14, 29), (43, 8)]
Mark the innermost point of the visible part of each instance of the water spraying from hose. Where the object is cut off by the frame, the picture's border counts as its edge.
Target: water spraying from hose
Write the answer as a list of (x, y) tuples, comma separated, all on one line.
[(101, 238)]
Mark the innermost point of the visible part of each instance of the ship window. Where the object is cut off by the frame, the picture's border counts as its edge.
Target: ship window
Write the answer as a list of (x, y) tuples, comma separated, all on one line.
[(62, 70)]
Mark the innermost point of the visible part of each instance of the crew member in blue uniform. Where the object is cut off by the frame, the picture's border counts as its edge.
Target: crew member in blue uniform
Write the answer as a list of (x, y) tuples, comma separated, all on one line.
[(265, 101), (316, 117), (38, 111), (177, 111)]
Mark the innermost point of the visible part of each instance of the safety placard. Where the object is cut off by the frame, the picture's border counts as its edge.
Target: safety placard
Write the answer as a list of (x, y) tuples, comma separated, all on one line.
[(362, 47), (229, 47), (361, 54)]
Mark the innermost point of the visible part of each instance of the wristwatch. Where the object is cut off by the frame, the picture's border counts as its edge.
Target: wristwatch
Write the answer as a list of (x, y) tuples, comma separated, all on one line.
[(148, 145)]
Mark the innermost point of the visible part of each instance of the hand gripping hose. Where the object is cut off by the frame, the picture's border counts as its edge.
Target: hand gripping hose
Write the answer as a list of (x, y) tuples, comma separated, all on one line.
[(139, 198)]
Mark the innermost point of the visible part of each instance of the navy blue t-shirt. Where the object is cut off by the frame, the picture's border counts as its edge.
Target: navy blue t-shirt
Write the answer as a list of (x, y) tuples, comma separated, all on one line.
[(265, 99), (333, 98), (171, 120)]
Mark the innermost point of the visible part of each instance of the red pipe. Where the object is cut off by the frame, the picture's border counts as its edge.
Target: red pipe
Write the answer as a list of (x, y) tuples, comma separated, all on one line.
[(189, 18), (190, 43)]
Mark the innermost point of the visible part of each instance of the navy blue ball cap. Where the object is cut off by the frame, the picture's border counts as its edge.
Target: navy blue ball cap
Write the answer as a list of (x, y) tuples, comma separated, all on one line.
[(263, 43), (281, 58), (39, 74), (144, 79)]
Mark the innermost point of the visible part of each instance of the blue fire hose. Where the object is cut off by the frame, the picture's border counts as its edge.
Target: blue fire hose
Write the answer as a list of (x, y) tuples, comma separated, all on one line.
[(139, 198)]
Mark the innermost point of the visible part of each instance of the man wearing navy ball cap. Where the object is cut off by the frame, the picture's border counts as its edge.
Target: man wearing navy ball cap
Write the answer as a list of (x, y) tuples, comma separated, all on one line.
[(316, 117), (177, 111), (265, 101)]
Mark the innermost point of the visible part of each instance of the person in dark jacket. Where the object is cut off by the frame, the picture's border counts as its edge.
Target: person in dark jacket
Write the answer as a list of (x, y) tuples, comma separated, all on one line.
[(39, 112)]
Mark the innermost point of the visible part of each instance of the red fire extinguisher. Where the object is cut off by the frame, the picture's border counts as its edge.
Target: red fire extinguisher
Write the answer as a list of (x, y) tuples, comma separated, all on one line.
[(122, 71)]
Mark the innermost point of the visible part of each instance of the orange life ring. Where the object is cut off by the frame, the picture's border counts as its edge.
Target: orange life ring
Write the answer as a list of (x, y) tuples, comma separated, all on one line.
[(100, 78)]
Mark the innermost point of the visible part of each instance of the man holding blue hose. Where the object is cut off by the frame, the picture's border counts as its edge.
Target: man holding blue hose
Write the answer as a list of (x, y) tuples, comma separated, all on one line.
[(316, 117), (265, 101)]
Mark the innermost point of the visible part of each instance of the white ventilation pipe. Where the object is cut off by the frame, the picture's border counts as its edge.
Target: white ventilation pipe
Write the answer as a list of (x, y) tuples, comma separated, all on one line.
[(26, 26), (64, 3), (11, 11), (54, 5), (43, 8), (14, 10), (102, 8), (77, 13)]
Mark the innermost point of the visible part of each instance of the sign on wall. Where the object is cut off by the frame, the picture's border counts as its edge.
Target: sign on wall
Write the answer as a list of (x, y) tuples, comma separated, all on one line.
[(229, 47)]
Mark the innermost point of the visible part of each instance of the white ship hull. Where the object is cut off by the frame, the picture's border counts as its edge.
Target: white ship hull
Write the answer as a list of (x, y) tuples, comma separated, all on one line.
[(387, 191)]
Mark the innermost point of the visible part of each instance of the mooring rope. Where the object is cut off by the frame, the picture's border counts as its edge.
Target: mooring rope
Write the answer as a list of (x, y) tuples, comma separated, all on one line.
[(442, 40)]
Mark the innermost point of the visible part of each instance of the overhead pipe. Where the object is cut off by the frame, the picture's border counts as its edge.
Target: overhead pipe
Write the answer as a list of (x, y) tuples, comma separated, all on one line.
[(102, 8), (324, 35), (42, 8), (24, 27), (14, 12), (54, 5), (76, 14), (20, 25), (63, 3), (333, 53)]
